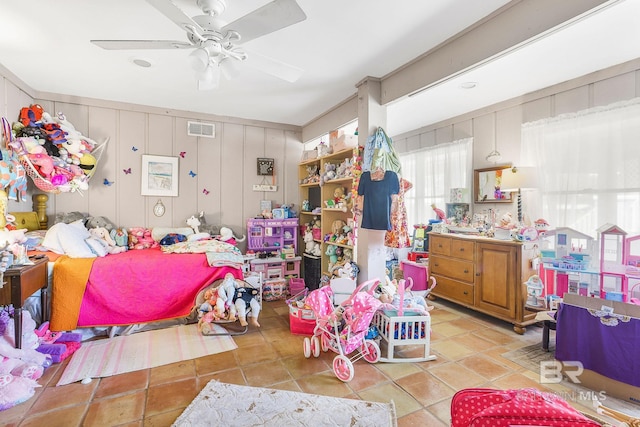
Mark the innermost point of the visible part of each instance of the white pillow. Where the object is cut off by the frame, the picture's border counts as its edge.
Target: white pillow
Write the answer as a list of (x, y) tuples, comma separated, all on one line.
[(79, 227), (73, 242), (158, 233), (51, 240), (97, 246)]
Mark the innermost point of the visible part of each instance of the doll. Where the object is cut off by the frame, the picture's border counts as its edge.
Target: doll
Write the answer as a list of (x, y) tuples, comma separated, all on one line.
[(246, 297)]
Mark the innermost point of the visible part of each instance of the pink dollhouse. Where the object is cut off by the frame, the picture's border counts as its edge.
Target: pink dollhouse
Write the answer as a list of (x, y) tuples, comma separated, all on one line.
[(613, 279)]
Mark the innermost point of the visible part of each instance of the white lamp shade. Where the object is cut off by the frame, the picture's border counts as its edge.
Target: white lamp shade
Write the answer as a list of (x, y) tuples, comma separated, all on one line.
[(519, 178), (199, 59), (210, 77), (229, 68)]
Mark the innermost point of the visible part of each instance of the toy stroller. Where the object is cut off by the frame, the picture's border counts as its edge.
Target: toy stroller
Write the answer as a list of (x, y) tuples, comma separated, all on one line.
[(342, 329)]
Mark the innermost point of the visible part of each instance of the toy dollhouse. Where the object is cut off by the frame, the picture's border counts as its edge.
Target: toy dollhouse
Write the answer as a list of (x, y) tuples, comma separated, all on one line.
[(613, 279), (607, 267), (567, 262)]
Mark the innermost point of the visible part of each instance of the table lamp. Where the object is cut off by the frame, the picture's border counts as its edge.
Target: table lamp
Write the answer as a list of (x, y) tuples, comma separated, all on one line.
[(518, 179)]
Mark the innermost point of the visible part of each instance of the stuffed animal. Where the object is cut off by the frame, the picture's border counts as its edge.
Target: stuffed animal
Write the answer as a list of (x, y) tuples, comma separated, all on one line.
[(309, 242), (227, 236), (99, 221), (247, 297), (120, 237), (103, 235), (328, 174), (199, 224), (30, 343), (69, 217), (331, 252), (141, 238)]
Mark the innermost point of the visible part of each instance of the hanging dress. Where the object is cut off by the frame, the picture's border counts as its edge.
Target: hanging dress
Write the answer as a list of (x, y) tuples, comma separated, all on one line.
[(398, 236)]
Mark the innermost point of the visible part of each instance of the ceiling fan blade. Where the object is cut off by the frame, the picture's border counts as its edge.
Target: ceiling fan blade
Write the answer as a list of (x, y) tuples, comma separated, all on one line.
[(174, 13), (273, 67), (269, 18), (141, 44)]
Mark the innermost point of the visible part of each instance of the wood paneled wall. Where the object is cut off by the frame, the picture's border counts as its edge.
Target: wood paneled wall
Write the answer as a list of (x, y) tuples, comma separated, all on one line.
[(224, 166)]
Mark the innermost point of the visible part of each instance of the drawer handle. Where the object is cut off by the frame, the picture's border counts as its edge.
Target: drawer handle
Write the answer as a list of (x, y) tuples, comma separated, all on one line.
[(436, 264), (466, 271), (439, 246), (466, 292), (478, 274), (461, 249)]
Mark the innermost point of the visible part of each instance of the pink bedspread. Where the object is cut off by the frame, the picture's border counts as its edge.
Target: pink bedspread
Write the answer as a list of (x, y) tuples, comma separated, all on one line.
[(140, 286)]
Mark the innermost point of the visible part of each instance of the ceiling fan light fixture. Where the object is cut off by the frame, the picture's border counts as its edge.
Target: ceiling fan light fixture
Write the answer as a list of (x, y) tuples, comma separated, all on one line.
[(229, 68), (199, 59), (209, 79)]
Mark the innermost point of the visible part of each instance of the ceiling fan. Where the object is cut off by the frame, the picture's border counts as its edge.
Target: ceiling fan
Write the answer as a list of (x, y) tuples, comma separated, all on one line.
[(217, 44)]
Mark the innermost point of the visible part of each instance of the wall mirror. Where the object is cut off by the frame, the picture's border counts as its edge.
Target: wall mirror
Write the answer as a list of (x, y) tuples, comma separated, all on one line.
[(486, 185)]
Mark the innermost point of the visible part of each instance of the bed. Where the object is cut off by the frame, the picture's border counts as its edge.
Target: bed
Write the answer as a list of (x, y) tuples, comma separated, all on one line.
[(133, 287), (136, 287)]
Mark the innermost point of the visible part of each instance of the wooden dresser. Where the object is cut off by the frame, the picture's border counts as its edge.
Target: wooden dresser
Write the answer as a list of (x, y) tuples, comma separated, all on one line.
[(485, 275)]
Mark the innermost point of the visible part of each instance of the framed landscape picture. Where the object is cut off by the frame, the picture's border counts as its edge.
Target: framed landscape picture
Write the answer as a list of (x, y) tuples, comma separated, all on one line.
[(159, 176)]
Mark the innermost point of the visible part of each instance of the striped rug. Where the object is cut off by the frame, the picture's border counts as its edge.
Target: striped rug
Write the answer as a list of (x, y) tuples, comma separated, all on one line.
[(143, 350)]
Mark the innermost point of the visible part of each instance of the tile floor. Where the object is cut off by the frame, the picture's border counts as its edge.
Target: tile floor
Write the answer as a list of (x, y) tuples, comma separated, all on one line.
[(468, 347)]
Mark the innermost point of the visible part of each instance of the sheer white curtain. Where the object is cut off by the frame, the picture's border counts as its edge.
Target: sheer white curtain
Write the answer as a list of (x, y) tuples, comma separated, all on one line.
[(589, 167), (433, 172)]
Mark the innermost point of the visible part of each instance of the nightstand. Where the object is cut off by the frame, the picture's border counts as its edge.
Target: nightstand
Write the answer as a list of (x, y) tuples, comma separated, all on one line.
[(19, 283)]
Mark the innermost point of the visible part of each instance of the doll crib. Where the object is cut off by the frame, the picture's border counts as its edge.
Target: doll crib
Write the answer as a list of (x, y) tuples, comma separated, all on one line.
[(400, 328)]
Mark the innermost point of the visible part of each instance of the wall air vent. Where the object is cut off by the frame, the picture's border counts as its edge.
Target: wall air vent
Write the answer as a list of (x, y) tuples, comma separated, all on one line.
[(205, 130)]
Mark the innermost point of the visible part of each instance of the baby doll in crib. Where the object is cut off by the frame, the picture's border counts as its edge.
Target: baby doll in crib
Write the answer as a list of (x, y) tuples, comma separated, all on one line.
[(390, 297)]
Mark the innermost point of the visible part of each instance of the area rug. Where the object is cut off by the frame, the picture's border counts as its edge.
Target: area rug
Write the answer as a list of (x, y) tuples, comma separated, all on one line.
[(530, 357), (143, 350), (220, 404)]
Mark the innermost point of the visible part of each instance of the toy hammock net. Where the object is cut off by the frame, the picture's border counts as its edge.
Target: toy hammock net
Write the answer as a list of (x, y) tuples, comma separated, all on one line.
[(74, 184)]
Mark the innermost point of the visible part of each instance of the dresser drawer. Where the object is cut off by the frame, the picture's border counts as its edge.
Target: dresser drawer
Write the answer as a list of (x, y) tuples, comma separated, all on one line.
[(451, 267), (462, 249), (452, 289), (439, 245)]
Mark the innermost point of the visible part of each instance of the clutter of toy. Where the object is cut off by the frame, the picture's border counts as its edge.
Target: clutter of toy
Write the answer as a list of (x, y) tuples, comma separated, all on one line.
[(228, 301), (20, 368), (53, 152)]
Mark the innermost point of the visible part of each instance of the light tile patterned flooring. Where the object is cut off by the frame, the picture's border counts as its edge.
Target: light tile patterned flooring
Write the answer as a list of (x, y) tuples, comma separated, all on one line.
[(468, 347)]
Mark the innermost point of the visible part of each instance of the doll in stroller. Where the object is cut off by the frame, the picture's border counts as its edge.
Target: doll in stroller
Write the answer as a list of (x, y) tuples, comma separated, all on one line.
[(226, 301), (342, 329)]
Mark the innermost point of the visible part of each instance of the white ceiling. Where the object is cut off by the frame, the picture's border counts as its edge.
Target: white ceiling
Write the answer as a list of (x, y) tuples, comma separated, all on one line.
[(47, 45)]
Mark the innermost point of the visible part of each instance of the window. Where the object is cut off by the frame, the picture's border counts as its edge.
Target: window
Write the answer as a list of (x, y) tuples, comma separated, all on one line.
[(589, 167), (434, 172)]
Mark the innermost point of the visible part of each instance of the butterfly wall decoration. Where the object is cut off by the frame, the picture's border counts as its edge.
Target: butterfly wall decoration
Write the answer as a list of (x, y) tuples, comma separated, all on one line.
[(182, 154), (192, 174), (205, 191), (127, 171), (107, 182)]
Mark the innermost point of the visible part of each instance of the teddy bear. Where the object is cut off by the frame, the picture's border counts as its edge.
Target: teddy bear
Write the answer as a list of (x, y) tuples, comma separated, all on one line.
[(247, 297)]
